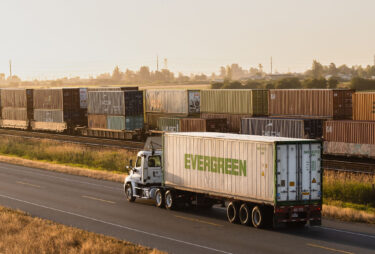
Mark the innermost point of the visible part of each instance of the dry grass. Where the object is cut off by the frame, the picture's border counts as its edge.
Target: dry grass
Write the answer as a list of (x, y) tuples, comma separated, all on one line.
[(20, 233), (347, 214), (97, 174)]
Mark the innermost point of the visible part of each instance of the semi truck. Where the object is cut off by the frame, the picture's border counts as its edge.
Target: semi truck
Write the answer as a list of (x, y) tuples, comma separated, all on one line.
[(262, 181)]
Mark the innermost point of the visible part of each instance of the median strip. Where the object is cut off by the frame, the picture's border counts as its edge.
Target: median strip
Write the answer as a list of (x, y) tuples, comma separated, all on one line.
[(327, 248), (29, 184), (99, 199)]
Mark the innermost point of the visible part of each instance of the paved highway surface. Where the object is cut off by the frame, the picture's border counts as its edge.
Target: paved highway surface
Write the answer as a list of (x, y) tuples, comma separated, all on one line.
[(99, 206)]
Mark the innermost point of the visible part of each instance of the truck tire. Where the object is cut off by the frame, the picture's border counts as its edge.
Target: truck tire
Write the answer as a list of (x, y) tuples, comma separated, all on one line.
[(169, 200), (258, 217), (129, 192), (245, 214), (159, 198), (232, 212)]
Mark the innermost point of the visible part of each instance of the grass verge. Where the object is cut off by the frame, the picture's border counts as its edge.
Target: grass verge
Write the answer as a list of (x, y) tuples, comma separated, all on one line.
[(21, 233)]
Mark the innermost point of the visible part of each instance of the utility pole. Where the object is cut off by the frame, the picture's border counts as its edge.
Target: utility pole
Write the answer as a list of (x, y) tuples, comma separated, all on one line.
[(271, 65), (10, 69), (157, 62)]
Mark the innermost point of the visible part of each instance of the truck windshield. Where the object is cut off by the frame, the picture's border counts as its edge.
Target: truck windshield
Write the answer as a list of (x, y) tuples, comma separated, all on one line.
[(139, 162), (154, 161)]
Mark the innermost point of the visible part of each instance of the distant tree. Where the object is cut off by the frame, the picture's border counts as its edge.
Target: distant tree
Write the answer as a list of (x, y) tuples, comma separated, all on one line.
[(252, 84), (144, 74), (223, 72), (129, 76), (362, 84), (228, 72), (217, 85), (270, 85), (332, 69), (343, 69), (2, 76), (288, 83), (116, 74), (317, 69), (315, 83), (333, 82), (233, 85)]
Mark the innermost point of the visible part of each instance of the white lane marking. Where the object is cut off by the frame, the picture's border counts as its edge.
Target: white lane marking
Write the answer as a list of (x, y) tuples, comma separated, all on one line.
[(117, 225), (348, 232), (64, 179)]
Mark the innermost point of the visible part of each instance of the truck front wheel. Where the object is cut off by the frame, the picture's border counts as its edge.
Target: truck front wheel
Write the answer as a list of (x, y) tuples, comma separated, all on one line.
[(258, 217), (170, 200), (232, 212), (129, 192), (159, 198)]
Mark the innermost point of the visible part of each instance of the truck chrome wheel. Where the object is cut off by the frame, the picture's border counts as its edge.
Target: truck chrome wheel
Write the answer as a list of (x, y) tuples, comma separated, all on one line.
[(169, 202), (129, 193), (159, 198), (244, 215), (257, 217), (232, 212)]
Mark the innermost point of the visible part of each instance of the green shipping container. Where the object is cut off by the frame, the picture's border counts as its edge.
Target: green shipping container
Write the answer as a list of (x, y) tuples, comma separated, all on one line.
[(169, 124), (134, 122), (238, 101), (116, 122)]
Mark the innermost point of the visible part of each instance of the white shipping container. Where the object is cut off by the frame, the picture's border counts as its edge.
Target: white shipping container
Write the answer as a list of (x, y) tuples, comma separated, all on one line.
[(254, 168), (83, 97)]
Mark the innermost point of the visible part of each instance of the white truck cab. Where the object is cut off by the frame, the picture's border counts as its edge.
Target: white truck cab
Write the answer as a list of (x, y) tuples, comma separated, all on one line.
[(145, 177)]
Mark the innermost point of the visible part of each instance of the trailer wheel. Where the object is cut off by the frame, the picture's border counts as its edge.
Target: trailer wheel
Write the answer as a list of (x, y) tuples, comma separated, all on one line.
[(129, 192), (245, 214), (232, 212), (170, 200), (159, 198), (258, 217)]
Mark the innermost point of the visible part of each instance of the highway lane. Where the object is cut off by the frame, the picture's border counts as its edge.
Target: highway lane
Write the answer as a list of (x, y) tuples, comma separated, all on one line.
[(99, 206)]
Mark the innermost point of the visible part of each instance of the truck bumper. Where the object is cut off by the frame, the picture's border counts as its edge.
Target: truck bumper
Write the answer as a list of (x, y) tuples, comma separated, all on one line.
[(298, 213)]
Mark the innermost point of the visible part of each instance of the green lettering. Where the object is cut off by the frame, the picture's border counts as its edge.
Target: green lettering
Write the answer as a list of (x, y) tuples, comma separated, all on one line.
[(221, 165), (213, 164), (206, 163), (235, 167), (187, 161), (243, 167), (195, 161), (228, 166), (200, 163)]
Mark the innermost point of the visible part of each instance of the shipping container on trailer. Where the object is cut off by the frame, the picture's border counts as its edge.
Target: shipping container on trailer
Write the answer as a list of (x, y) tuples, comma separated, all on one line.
[(364, 106), (16, 106), (235, 101), (311, 103), (283, 127), (233, 120), (262, 180)]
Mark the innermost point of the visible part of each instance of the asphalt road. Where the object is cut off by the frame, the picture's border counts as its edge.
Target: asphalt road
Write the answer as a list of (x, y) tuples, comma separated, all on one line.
[(99, 206)]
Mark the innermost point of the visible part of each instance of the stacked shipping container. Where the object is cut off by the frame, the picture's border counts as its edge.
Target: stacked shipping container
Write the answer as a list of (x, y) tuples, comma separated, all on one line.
[(234, 105), (192, 125), (170, 103), (279, 127), (311, 103), (115, 110), (16, 108)]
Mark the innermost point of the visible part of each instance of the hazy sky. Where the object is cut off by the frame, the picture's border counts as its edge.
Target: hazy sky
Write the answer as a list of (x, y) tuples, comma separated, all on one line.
[(51, 38)]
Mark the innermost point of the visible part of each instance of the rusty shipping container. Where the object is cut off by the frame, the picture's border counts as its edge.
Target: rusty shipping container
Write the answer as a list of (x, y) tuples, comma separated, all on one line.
[(282, 127), (120, 103), (364, 106), (310, 103), (19, 114), (182, 102), (192, 124), (13, 98), (48, 99), (349, 149), (97, 121), (357, 132), (233, 120), (236, 101)]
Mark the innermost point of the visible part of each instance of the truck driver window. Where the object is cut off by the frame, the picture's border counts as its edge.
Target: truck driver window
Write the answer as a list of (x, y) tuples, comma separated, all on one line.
[(154, 161)]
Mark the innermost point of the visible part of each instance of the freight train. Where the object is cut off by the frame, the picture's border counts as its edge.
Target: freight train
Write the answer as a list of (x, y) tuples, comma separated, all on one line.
[(343, 119)]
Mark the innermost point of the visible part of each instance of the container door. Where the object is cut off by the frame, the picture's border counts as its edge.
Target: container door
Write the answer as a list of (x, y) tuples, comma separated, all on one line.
[(298, 172), (287, 165), (310, 173), (194, 102)]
